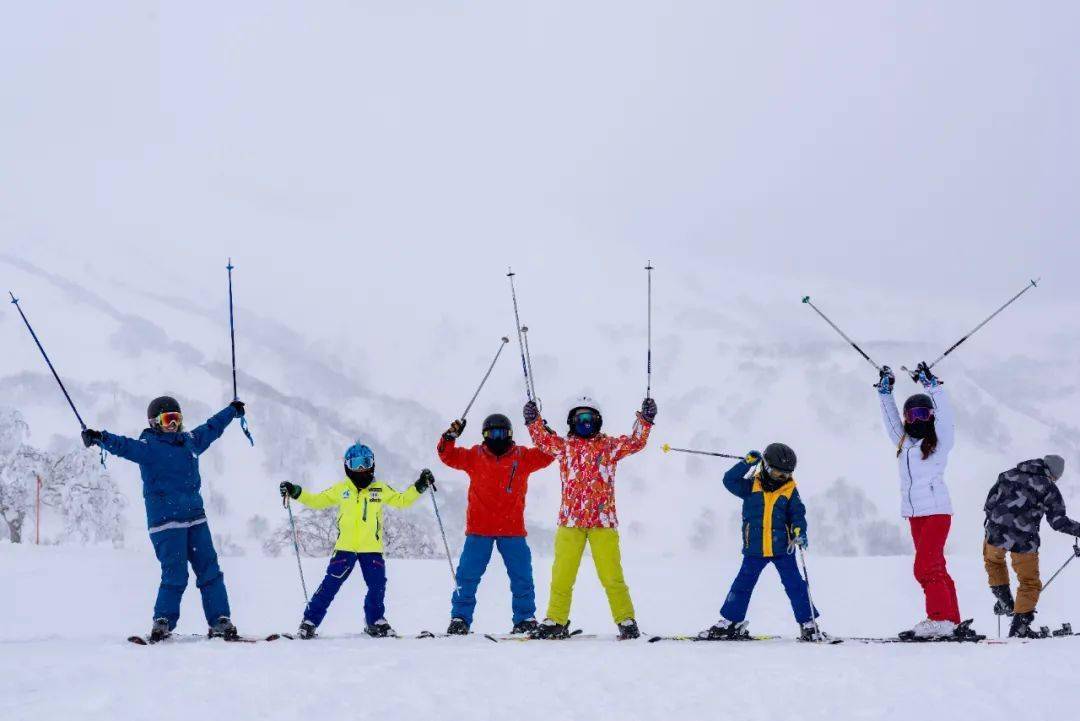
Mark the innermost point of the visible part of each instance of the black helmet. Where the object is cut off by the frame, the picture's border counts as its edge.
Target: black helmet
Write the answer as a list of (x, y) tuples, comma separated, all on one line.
[(919, 400), (164, 404), (779, 457), (591, 420), (497, 420)]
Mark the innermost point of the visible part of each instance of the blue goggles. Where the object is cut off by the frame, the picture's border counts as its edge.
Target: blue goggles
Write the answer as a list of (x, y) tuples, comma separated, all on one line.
[(497, 434), (359, 458)]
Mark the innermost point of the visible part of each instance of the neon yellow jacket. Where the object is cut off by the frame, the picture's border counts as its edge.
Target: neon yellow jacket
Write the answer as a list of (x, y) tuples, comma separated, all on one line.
[(360, 523)]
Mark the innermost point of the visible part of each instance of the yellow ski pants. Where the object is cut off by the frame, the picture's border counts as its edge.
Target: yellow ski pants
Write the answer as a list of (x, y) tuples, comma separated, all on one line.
[(569, 546)]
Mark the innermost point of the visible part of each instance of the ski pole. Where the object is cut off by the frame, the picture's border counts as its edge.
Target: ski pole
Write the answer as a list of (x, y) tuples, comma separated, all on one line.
[(15, 302), (1075, 554), (528, 360), (491, 367), (442, 530), (232, 338), (809, 596), (667, 449), (296, 547), (1031, 284), (648, 357), (521, 343), (806, 299)]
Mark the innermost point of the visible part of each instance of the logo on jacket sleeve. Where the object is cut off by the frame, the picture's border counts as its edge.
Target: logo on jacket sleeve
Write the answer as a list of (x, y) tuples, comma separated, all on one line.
[(345, 494)]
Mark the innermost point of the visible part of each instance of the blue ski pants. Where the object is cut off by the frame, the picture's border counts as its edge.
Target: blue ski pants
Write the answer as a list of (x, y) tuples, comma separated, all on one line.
[(474, 560), (373, 568), (175, 549), (738, 598)]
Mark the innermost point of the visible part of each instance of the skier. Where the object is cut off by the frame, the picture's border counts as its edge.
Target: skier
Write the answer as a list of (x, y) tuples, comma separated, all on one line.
[(774, 526), (168, 458), (360, 499), (1014, 510), (923, 440), (499, 473), (587, 463)]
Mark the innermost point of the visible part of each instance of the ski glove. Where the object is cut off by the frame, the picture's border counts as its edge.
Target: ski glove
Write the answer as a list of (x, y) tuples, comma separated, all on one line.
[(91, 437), (753, 457), (797, 541), (289, 489), (238, 406), (648, 410), (924, 376), (886, 381), (531, 412), (455, 430), (426, 479)]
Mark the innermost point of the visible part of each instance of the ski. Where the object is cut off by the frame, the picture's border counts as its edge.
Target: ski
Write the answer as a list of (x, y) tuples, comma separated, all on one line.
[(192, 637), (658, 639), (962, 634), (576, 633)]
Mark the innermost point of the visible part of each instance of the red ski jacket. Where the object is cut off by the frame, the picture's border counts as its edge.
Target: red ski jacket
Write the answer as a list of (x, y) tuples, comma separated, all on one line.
[(497, 485)]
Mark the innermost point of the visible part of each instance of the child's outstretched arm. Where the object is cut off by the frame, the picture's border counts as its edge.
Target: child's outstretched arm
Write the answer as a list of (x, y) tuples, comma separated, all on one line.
[(404, 499), (324, 499), (124, 447), (210, 431)]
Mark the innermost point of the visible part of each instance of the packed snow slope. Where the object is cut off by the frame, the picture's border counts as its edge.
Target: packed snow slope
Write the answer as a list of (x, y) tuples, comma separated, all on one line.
[(67, 612)]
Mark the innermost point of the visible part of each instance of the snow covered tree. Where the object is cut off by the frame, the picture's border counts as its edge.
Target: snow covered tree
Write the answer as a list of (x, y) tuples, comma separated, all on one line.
[(316, 533), (20, 468), (92, 506)]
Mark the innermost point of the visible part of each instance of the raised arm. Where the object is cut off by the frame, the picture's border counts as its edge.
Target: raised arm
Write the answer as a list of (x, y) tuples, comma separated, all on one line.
[(944, 419), (735, 479), (624, 446), (533, 459), (210, 431), (451, 455), (550, 443), (890, 415), (124, 447)]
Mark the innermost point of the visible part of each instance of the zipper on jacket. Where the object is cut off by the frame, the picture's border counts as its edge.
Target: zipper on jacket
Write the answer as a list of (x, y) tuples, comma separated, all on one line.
[(746, 535), (365, 509), (910, 479), (378, 527), (513, 472)]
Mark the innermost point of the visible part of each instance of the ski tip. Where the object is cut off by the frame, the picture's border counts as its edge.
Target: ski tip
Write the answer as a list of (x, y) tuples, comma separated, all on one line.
[(491, 638), (665, 448), (806, 299), (138, 640)]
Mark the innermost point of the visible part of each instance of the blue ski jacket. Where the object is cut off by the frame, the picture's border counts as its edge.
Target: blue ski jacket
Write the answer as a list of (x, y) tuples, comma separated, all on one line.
[(169, 464), (769, 518)]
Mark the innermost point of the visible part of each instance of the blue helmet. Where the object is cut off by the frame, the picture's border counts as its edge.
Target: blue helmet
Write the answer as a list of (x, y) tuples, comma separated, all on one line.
[(359, 457)]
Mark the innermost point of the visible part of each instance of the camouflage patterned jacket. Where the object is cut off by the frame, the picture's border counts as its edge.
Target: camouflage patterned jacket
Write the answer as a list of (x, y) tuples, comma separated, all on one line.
[(1016, 505)]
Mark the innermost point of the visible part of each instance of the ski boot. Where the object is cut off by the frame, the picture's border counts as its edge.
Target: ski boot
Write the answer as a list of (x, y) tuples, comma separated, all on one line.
[(811, 632), (457, 627), (306, 630), (524, 627), (1004, 604), (380, 629), (224, 628), (550, 630), (1021, 626), (929, 630), (160, 631), (628, 630), (725, 630)]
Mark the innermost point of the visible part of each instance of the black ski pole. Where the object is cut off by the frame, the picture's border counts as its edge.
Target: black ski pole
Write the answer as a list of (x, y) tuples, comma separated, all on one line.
[(809, 596), (806, 299), (521, 343), (442, 530), (15, 302), (296, 547), (232, 338), (528, 361), (648, 361), (1031, 284), (667, 449), (502, 344), (1075, 554)]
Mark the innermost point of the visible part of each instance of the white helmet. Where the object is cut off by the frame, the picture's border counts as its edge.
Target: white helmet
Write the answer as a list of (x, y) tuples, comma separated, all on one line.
[(586, 402), (592, 426)]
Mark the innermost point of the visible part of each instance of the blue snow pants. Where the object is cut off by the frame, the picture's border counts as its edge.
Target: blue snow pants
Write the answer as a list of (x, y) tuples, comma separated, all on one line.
[(738, 598), (474, 560), (373, 568), (175, 549)]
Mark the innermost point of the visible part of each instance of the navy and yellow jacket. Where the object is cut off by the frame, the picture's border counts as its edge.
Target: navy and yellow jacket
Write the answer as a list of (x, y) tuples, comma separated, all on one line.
[(770, 518)]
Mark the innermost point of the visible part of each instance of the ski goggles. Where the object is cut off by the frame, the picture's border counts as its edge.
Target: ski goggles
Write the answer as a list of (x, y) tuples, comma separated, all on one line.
[(776, 474), (912, 415), (170, 419), (497, 434), (359, 458)]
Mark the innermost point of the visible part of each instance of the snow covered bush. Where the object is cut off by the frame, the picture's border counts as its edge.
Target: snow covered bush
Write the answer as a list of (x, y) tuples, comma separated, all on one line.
[(20, 468), (316, 533)]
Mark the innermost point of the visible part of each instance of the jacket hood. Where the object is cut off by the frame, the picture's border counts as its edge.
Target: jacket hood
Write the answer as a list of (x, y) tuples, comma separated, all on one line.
[(1034, 467)]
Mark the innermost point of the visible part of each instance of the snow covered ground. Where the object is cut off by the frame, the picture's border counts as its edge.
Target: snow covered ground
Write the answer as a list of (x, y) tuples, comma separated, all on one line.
[(64, 614)]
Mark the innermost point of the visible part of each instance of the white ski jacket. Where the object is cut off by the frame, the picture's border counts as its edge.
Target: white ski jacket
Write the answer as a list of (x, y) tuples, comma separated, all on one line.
[(922, 482)]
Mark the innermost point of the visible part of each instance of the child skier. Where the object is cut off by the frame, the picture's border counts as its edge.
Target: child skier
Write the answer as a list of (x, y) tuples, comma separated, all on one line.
[(923, 440), (168, 458), (361, 499), (587, 462), (773, 526), (1014, 510), (495, 517)]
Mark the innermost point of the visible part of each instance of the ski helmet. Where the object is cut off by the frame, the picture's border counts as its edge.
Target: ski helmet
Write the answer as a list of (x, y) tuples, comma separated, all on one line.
[(164, 404), (779, 457), (919, 403), (498, 433), (359, 457), (584, 418)]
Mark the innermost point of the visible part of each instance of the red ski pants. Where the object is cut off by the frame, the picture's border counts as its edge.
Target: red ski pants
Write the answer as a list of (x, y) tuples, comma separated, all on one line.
[(929, 534)]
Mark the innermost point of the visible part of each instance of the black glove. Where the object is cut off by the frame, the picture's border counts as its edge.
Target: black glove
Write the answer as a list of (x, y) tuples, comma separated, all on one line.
[(532, 412), (923, 375), (455, 430), (648, 410), (886, 381), (238, 406), (91, 438), (289, 489), (426, 479)]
